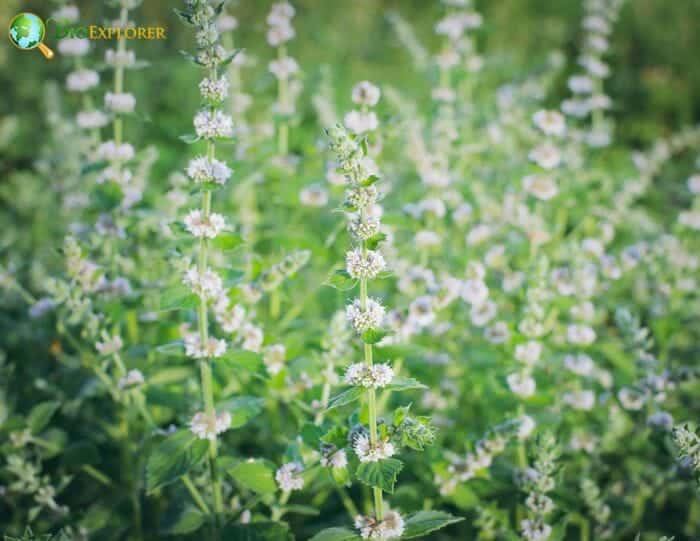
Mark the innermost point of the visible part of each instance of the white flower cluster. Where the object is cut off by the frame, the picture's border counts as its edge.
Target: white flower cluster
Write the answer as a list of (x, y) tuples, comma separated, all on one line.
[(390, 527), (208, 427), (109, 344), (366, 452), (369, 317), (375, 376), (213, 124), (206, 285), (120, 102), (116, 59), (274, 357), (365, 264), (201, 227), (289, 477), (133, 378), (279, 22), (361, 121), (214, 347), (114, 152), (82, 80), (214, 90), (202, 169)]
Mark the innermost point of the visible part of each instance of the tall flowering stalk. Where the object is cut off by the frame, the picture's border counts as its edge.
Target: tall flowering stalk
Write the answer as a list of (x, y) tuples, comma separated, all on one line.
[(208, 173)]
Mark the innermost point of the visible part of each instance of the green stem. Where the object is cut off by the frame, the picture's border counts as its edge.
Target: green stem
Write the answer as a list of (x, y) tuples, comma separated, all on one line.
[(119, 76), (196, 496)]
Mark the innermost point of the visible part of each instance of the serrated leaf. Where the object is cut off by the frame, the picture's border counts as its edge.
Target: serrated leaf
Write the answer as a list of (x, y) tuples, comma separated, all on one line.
[(336, 534), (424, 522), (40, 415), (381, 474), (257, 531), (255, 474), (174, 457), (182, 521), (340, 280), (346, 397), (400, 383), (227, 241), (372, 336), (178, 297)]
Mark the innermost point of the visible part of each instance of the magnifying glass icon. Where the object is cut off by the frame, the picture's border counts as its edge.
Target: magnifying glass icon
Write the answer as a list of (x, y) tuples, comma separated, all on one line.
[(27, 31)]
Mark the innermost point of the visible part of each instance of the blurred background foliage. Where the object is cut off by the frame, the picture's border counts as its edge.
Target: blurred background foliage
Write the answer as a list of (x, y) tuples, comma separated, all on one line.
[(655, 82)]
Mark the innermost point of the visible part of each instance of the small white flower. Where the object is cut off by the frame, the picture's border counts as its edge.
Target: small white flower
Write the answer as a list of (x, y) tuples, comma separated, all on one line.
[(207, 285), (366, 452), (533, 530), (482, 313), (313, 196), (113, 152), (694, 183), (361, 122), (375, 376), (580, 334), (230, 319), (274, 357), (82, 80), (362, 320), (522, 385), (122, 102), (279, 34), (367, 265), (580, 364), (427, 239), (529, 352), (208, 427), (498, 333), (117, 58), (289, 477), (690, 219), (202, 169), (226, 23), (550, 122), (527, 425), (391, 527), (365, 93), (252, 337), (283, 68), (580, 84), (631, 399), (546, 155), (133, 378), (193, 347), (475, 292), (541, 186), (214, 90), (89, 120), (580, 400), (211, 124), (478, 234), (73, 46), (66, 14), (339, 459), (109, 345), (204, 228)]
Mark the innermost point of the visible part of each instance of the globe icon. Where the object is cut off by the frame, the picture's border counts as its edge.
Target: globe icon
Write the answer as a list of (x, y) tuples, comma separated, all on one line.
[(27, 31)]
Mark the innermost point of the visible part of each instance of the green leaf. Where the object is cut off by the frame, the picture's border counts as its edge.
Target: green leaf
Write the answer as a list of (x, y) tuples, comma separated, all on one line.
[(242, 358), (189, 138), (372, 336), (227, 241), (183, 15), (183, 521), (311, 435), (40, 415), (336, 534), (173, 458), (340, 280), (93, 167), (305, 510), (404, 384), (226, 61), (255, 474), (346, 397), (381, 474), (424, 522), (372, 179), (242, 409), (257, 531), (179, 297), (374, 240), (172, 348)]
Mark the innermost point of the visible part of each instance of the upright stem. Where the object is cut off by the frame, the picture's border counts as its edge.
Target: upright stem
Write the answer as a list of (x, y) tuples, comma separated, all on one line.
[(203, 324), (371, 400), (283, 98), (119, 75)]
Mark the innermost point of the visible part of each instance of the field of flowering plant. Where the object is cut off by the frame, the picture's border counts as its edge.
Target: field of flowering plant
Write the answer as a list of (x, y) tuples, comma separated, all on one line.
[(297, 272)]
